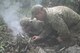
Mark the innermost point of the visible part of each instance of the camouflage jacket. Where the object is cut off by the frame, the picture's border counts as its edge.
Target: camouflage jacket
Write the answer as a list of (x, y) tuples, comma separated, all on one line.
[(63, 20)]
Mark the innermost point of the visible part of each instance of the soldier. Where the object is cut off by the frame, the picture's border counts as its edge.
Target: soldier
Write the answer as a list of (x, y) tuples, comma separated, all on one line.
[(35, 27), (61, 19), (31, 27)]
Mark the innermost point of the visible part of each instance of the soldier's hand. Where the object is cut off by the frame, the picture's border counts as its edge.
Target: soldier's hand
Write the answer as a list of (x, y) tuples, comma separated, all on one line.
[(59, 39), (34, 38)]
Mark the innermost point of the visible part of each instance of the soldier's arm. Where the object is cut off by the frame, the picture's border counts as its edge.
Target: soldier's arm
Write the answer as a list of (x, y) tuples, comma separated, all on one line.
[(60, 26), (45, 33)]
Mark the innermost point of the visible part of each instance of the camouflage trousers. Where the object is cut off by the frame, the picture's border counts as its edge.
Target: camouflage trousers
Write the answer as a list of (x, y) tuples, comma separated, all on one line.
[(46, 50), (72, 49)]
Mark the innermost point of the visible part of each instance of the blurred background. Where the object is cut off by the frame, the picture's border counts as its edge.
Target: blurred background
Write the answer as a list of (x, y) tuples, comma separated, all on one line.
[(11, 11)]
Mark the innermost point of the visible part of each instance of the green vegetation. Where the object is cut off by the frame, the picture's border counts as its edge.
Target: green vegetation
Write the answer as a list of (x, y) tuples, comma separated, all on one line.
[(6, 43)]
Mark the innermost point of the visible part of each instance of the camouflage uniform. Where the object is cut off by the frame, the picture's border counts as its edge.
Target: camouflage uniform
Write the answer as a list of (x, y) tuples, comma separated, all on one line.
[(36, 27), (63, 20)]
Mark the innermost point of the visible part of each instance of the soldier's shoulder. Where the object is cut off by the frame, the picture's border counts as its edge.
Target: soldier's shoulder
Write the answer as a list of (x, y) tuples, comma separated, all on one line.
[(56, 8), (61, 7)]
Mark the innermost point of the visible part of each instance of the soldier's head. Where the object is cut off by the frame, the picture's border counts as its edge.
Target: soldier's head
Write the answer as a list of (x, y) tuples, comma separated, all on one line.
[(31, 27), (38, 12), (25, 23)]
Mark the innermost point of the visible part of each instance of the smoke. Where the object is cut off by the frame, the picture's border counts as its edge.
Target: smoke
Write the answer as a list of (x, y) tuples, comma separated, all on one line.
[(11, 16), (10, 12), (38, 1)]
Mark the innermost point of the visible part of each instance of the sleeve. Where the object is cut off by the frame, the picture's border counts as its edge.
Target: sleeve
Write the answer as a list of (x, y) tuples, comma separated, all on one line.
[(46, 32), (60, 26)]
